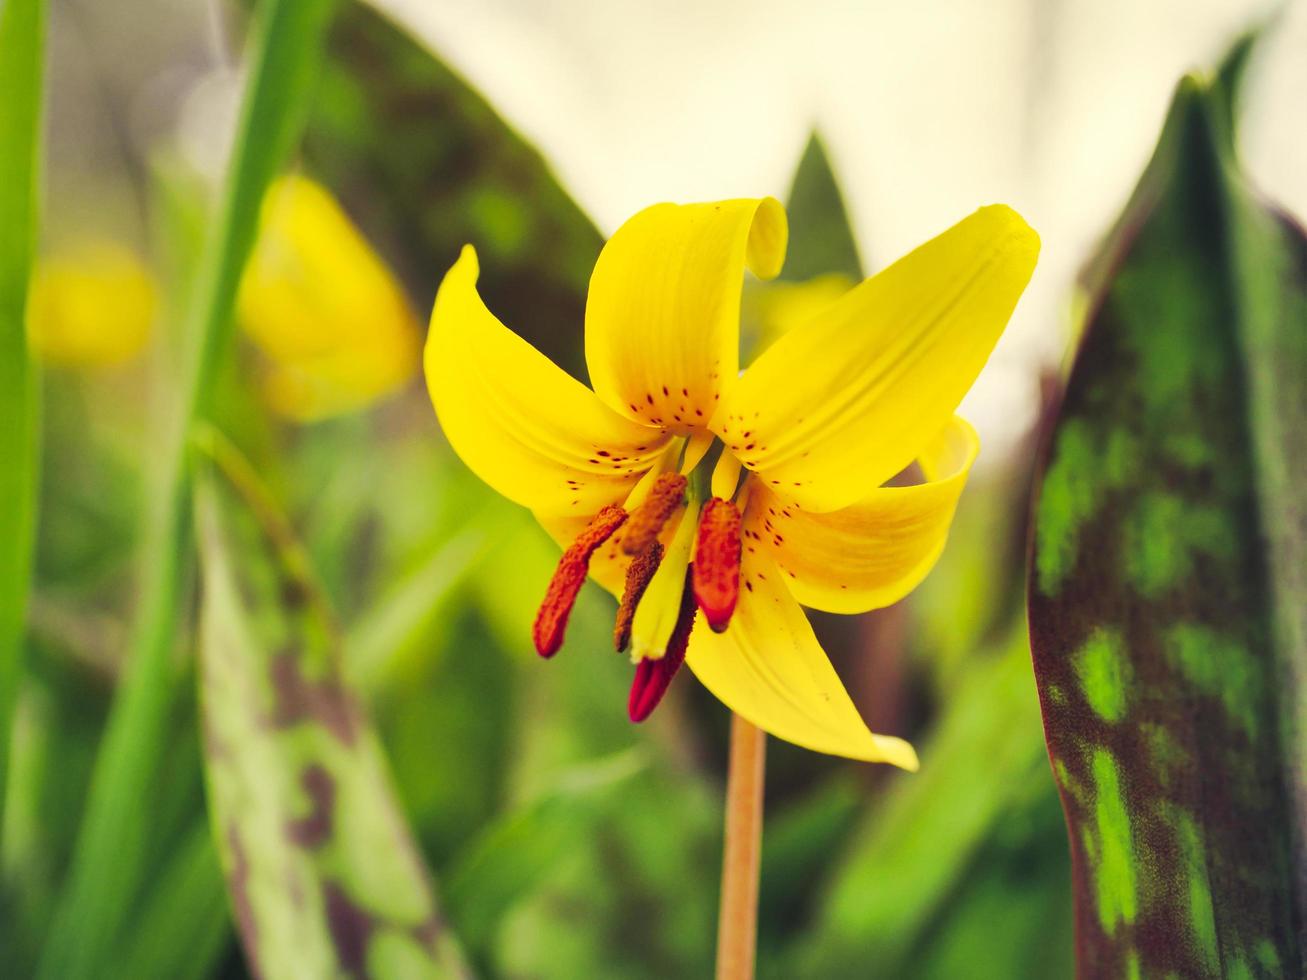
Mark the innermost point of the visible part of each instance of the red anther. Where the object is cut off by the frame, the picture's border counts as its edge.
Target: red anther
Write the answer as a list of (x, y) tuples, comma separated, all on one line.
[(666, 494), (717, 562), (652, 677), (638, 575), (551, 620)]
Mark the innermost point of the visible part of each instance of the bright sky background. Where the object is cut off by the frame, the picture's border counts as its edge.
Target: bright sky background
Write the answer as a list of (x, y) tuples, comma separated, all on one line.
[(930, 108)]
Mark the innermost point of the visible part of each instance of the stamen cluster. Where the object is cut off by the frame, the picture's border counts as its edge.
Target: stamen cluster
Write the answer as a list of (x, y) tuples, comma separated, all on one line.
[(711, 581)]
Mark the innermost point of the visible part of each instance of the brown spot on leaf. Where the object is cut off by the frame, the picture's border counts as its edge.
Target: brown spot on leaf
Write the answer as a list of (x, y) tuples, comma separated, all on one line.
[(350, 926), (314, 829), (300, 699)]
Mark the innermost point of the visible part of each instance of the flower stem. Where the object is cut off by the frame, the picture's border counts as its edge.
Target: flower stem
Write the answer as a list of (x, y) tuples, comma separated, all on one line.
[(737, 923)]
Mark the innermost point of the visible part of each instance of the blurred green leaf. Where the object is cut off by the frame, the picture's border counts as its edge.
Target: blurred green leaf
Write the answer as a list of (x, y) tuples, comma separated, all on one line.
[(1168, 592), (508, 860), (1009, 915), (387, 638), (22, 53), (892, 886), (183, 925), (797, 846), (116, 830), (635, 901), (323, 875), (821, 237)]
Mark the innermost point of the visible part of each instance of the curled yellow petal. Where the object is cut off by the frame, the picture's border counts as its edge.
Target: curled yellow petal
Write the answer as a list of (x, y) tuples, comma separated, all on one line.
[(331, 318), (874, 552), (522, 424), (91, 305), (769, 669), (662, 316), (848, 400)]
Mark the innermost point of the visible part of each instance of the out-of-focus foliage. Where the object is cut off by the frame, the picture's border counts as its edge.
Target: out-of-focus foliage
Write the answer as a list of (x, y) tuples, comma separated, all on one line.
[(934, 852), (568, 843), (113, 851), (822, 243), (322, 874), (1167, 590)]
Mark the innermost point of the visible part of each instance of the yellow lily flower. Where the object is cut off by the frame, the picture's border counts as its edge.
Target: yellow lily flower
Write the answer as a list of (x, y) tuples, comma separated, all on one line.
[(321, 305), (91, 305), (715, 503)]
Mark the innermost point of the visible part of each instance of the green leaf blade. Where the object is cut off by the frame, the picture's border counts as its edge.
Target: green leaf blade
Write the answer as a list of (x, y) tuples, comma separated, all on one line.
[(1156, 608), (821, 237), (324, 876), (22, 48)]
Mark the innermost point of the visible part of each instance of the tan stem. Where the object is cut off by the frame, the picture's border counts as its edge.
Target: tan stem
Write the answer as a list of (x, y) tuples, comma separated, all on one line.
[(737, 925)]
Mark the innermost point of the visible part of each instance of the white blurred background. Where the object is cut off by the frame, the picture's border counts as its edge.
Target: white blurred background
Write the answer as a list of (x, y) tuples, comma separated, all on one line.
[(929, 108)]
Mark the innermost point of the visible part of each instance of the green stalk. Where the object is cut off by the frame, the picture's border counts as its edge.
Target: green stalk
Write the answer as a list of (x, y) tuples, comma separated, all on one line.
[(22, 36), (285, 49)]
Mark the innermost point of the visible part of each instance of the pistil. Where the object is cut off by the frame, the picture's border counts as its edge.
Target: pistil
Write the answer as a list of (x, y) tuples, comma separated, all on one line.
[(659, 608), (560, 597)]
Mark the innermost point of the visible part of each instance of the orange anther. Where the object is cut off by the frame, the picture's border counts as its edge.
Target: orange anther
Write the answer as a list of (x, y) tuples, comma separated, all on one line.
[(638, 574), (666, 494), (551, 620), (717, 562)]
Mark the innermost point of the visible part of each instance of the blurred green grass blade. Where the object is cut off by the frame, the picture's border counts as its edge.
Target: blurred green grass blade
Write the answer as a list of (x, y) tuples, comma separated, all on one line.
[(1168, 592), (396, 629), (511, 856), (285, 48), (821, 237), (893, 882), (324, 877), (22, 48), (183, 925)]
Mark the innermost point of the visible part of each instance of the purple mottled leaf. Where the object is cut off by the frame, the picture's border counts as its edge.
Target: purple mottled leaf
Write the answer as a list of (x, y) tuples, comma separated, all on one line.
[(1168, 584)]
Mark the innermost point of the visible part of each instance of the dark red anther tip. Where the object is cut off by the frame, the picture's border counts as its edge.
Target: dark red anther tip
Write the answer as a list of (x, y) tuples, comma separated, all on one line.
[(653, 677), (565, 586), (717, 562)]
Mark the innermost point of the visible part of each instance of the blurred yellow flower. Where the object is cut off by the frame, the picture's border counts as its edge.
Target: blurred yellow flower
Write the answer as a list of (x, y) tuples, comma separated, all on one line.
[(714, 502), (92, 304), (316, 299)]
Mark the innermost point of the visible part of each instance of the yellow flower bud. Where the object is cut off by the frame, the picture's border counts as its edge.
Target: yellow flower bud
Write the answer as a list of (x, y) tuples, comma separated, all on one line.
[(91, 305), (319, 303)]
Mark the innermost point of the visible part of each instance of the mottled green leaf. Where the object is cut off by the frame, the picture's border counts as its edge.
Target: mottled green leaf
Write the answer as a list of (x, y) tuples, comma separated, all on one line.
[(324, 877), (821, 239), (1168, 589)]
